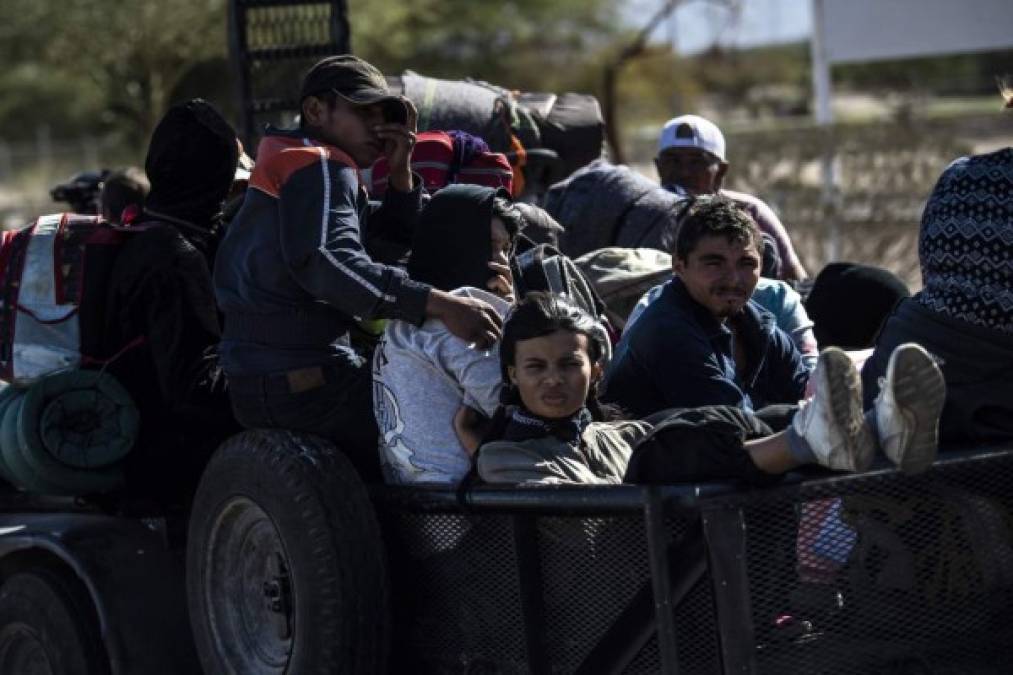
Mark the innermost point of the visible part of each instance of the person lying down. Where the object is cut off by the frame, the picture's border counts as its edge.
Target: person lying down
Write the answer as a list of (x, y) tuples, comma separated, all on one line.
[(552, 429)]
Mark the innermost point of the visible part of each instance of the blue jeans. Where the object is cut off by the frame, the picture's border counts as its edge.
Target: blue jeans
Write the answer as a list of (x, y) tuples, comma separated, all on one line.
[(334, 401)]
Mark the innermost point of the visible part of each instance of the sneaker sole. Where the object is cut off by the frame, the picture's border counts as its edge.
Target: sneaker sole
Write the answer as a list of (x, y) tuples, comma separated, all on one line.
[(846, 406), (919, 392)]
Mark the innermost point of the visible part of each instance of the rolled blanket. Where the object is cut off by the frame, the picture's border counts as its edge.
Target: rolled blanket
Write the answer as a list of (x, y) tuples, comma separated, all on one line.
[(622, 275), (8, 394), (67, 432), (446, 104), (606, 204)]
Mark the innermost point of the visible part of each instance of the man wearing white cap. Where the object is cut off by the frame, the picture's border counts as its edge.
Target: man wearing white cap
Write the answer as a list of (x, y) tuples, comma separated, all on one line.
[(691, 158)]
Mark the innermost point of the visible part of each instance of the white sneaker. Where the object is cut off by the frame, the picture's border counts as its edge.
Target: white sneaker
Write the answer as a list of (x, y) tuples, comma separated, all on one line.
[(831, 422), (910, 400)]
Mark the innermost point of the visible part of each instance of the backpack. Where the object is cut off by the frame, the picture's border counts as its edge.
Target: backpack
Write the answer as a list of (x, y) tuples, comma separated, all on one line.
[(622, 276), (54, 274), (571, 125), (442, 158), (543, 268)]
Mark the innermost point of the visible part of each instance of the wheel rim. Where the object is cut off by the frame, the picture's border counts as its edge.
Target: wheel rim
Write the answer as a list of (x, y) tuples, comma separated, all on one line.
[(247, 590), (21, 651)]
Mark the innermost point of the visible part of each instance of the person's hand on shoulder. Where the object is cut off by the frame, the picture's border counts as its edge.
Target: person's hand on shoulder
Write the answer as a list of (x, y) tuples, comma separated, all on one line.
[(471, 319), (398, 142)]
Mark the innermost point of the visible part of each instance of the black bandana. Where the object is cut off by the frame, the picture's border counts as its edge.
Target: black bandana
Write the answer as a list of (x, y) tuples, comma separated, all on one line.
[(524, 425)]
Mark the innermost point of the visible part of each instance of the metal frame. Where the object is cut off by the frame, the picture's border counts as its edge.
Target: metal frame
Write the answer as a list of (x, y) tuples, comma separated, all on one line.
[(245, 60), (716, 545)]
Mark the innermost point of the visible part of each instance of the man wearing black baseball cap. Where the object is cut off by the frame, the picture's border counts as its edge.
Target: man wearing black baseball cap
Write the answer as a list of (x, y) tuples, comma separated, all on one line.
[(292, 274)]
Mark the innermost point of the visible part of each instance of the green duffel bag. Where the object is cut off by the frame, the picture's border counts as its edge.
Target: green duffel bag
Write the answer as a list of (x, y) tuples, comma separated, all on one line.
[(8, 394), (22, 473), (68, 432), (82, 418)]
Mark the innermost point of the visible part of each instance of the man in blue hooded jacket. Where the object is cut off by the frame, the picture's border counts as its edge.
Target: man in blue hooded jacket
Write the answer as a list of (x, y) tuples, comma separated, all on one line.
[(704, 342)]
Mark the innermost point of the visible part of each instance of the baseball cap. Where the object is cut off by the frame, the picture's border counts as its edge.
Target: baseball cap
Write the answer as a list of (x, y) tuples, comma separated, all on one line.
[(353, 79), (692, 131)]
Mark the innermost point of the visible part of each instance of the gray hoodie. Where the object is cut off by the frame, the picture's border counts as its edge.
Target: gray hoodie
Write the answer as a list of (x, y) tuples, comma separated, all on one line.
[(421, 376)]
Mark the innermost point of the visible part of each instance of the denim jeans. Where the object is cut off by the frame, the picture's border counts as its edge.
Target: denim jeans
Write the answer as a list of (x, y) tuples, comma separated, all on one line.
[(333, 401)]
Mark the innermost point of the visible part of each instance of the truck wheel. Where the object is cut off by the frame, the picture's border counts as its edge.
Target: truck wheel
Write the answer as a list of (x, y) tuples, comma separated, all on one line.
[(285, 566), (47, 627)]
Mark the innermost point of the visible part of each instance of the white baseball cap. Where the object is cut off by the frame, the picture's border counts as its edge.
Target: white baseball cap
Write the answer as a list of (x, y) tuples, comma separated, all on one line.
[(692, 131)]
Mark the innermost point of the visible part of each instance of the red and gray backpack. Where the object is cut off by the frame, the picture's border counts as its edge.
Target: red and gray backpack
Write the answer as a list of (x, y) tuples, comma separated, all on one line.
[(443, 158), (54, 274)]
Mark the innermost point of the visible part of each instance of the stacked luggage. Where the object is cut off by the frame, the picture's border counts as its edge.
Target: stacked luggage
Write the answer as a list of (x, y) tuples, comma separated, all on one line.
[(65, 424)]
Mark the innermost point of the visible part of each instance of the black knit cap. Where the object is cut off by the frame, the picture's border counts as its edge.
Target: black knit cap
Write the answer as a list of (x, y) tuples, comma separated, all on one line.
[(356, 81), (191, 162), (849, 303)]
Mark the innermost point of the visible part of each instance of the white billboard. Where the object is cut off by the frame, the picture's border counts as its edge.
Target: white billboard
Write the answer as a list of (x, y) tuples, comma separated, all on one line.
[(872, 30)]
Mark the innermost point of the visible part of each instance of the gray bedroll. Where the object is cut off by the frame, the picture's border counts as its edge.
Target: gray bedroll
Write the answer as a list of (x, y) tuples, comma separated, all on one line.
[(604, 204), (560, 132), (67, 433), (463, 105)]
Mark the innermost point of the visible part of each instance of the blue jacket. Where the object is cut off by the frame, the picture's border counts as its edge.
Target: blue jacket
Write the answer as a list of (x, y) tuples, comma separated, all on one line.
[(292, 274), (678, 356)]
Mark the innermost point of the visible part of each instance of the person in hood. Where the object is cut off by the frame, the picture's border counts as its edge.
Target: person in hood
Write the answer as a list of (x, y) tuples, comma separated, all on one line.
[(161, 322), (293, 275), (964, 312), (422, 375)]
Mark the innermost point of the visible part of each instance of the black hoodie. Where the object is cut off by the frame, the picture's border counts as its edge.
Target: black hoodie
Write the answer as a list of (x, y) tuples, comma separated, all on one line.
[(452, 246), (160, 318)]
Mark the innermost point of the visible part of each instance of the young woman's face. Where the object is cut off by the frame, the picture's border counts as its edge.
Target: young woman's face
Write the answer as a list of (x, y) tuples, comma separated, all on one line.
[(500, 241), (553, 373)]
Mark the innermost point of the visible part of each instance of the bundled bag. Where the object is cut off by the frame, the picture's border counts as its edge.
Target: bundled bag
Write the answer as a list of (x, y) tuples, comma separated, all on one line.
[(546, 137), (621, 276), (571, 125), (543, 268), (466, 105), (54, 275), (605, 205), (442, 158), (67, 433)]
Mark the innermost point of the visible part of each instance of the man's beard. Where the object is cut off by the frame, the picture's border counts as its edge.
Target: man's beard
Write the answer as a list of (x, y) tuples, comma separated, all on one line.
[(726, 308)]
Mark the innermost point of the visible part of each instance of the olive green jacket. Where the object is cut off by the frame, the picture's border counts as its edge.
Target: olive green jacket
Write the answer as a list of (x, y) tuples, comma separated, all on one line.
[(601, 459)]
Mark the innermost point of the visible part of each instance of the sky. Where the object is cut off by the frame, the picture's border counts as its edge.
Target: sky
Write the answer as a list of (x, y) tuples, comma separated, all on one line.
[(697, 24)]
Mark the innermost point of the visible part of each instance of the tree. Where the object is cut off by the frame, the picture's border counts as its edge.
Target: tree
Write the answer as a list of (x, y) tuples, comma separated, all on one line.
[(522, 44), (132, 53)]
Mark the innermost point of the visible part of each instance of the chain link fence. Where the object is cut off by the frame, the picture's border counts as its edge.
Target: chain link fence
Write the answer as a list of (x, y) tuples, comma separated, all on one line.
[(885, 173), (837, 574)]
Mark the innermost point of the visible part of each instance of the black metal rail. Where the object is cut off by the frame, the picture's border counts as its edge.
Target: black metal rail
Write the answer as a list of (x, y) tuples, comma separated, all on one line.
[(265, 42), (719, 561)]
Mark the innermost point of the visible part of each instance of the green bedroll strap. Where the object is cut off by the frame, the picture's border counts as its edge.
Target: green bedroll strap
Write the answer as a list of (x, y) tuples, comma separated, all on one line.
[(24, 475), (82, 418), (8, 394), (52, 477)]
